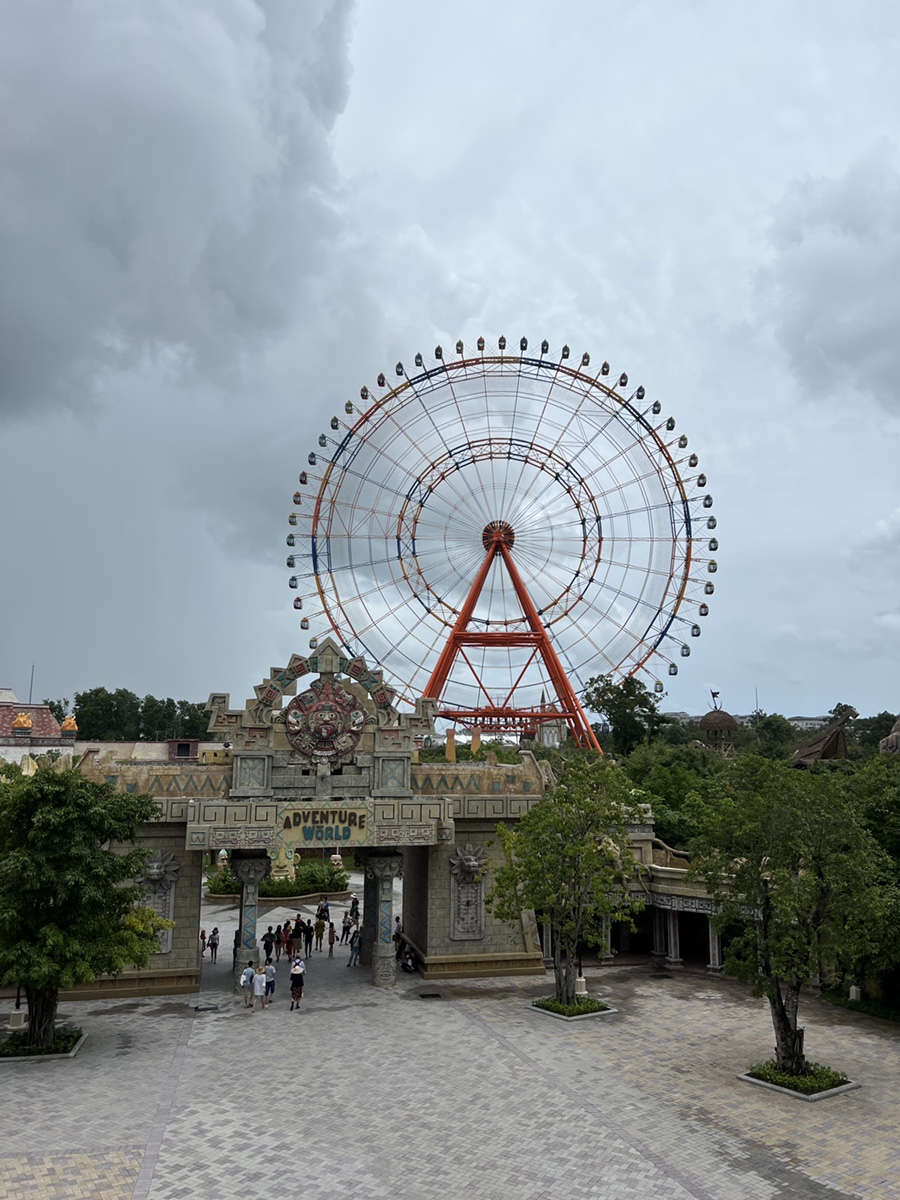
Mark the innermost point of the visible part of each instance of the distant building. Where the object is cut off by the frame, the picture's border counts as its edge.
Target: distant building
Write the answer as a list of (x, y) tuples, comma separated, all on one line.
[(809, 722)]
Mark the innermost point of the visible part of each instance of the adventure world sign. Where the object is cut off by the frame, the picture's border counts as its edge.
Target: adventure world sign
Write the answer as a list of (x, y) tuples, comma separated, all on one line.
[(311, 826)]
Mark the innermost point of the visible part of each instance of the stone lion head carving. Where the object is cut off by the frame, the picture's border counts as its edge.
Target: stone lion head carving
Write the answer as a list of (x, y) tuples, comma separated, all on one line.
[(468, 863), (161, 870)]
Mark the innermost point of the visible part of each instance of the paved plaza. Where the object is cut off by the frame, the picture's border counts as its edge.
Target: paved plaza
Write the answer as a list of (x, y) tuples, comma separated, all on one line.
[(370, 1093)]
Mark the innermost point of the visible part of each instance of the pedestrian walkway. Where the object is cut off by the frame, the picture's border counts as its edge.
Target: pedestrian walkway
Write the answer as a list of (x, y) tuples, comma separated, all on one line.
[(468, 1093)]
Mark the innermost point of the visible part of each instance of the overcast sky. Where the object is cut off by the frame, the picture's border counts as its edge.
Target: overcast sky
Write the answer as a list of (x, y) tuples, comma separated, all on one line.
[(220, 217)]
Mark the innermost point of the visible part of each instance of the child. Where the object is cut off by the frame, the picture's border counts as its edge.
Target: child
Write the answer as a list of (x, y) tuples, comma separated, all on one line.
[(202, 943), (332, 938)]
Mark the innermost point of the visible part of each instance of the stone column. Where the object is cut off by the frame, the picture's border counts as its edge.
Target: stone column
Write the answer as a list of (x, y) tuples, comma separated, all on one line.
[(606, 954), (384, 869), (659, 935), (251, 869), (368, 932), (673, 956), (714, 966)]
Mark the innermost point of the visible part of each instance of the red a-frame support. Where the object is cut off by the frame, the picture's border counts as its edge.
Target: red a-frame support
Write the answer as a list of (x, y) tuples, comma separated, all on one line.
[(506, 717)]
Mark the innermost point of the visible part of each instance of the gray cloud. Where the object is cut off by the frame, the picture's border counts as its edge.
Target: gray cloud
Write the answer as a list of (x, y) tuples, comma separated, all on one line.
[(169, 189), (833, 289)]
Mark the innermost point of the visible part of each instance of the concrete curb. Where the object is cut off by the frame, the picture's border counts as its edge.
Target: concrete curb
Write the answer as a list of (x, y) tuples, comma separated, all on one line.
[(603, 1012)]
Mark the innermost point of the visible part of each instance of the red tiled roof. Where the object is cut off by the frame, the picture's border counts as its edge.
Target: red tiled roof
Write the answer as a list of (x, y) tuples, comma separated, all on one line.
[(44, 724)]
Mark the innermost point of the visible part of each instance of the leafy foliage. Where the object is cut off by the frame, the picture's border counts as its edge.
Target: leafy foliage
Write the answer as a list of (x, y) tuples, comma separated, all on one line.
[(631, 709), (122, 716), (569, 860), (67, 898), (816, 1078), (668, 775), (18, 1046), (788, 858), (582, 1005), (308, 878)]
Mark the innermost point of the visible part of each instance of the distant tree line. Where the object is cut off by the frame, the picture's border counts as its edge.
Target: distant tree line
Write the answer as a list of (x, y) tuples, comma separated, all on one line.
[(123, 716)]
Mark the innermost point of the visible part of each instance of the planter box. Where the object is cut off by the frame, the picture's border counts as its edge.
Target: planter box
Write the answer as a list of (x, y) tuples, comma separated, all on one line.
[(774, 1087), (603, 1012), (29, 1058)]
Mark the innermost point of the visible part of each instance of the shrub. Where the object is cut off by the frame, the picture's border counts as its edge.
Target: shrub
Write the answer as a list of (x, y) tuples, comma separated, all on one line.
[(582, 1005), (817, 1079), (309, 877), (16, 1045), (872, 1008)]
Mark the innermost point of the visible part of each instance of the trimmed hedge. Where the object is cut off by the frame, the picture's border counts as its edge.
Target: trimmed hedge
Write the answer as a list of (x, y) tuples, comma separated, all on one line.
[(871, 1008), (817, 1079), (585, 1004), (309, 877), (16, 1045)]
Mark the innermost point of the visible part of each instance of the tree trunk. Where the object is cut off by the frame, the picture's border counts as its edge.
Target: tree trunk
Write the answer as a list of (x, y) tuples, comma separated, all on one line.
[(564, 966), (42, 1005), (789, 1054)]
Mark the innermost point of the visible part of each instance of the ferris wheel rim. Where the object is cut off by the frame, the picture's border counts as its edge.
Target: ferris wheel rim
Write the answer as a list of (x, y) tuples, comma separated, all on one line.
[(661, 467)]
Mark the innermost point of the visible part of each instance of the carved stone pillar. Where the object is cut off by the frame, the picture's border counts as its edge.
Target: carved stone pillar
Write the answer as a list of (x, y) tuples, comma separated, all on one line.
[(714, 966), (673, 956), (605, 947), (659, 935), (384, 869), (251, 868), (369, 928)]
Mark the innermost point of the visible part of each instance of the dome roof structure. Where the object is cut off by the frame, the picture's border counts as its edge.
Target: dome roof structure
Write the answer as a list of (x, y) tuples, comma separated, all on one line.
[(718, 719)]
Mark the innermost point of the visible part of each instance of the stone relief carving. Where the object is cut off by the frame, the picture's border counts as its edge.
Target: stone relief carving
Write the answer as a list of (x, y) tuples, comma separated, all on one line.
[(160, 877), (467, 868)]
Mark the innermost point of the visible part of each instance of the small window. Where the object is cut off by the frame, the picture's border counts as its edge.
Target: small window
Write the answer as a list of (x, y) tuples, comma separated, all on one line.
[(183, 750)]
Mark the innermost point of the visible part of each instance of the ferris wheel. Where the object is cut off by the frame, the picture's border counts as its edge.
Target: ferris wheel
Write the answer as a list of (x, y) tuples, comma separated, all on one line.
[(494, 528)]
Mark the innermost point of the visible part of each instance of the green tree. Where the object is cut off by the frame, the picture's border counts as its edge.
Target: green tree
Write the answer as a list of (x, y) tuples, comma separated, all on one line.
[(107, 716), (68, 901), (631, 709), (787, 856), (59, 708), (870, 730), (669, 775), (569, 860), (776, 736)]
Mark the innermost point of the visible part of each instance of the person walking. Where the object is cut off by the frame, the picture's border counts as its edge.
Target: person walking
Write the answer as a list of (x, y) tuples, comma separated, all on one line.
[(259, 987), (270, 981), (212, 943), (354, 907), (332, 938), (279, 942), (307, 937), (268, 941), (397, 938), (298, 979), (345, 928), (354, 947), (320, 933), (202, 942), (287, 939), (247, 984)]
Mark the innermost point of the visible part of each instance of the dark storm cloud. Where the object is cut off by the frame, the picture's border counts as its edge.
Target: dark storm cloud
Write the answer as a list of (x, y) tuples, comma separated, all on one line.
[(833, 290), (167, 189)]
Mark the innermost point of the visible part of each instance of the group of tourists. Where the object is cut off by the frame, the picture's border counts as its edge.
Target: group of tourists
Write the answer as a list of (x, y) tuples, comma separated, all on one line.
[(258, 983)]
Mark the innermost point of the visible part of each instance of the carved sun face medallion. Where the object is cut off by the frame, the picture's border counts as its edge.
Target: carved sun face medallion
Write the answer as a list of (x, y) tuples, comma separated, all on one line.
[(325, 722)]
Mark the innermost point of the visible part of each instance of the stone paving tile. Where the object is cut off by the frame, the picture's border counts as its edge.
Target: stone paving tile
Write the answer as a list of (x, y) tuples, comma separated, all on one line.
[(102, 1175), (374, 1094)]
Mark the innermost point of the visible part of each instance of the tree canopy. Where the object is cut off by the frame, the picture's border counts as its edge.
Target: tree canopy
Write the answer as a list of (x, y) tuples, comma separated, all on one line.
[(631, 709), (122, 716), (789, 860), (69, 904), (568, 859)]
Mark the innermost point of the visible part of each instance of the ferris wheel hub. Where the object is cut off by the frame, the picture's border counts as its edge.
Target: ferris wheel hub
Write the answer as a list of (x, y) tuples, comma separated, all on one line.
[(496, 533)]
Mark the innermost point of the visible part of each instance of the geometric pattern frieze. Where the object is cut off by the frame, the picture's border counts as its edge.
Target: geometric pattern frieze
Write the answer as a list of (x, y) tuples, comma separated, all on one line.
[(492, 808), (244, 837), (416, 811), (240, 812), (696, 904), (405, 835), (193, 783), (426, 783)]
